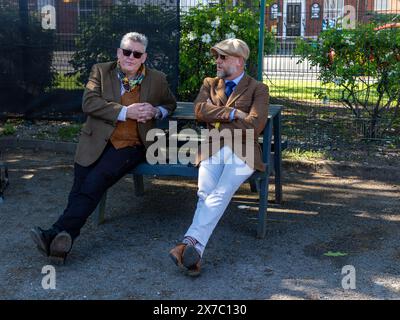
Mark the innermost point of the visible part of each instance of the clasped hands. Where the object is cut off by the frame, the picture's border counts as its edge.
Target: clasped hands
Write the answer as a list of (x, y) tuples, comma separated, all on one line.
[(238, 113), (142, 111)]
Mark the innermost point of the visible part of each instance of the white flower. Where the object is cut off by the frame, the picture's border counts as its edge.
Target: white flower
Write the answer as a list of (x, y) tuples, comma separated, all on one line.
[(338, 80), (192, 36), (215, 24), (230, 35), (206, 38), (234, 27)]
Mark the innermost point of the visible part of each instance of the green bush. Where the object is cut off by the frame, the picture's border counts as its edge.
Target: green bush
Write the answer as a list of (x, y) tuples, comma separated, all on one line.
[(69, 132), (204, 26), (8, 129), (25, 56), (100, 35), (365, 64)]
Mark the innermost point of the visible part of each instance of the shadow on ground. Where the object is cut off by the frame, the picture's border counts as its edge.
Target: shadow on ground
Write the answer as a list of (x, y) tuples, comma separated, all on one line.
[(127, 257)]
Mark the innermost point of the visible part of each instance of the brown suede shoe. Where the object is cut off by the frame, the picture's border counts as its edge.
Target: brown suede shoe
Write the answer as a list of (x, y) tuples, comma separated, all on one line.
[(194, 271), (191, 259), (176, 255), (60, 247)]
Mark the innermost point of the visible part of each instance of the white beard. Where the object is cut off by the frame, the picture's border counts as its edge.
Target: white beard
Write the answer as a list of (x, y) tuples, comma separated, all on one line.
[(225, 74)]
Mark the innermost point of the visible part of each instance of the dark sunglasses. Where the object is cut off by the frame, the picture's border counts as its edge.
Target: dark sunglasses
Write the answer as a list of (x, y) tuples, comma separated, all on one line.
[(136, 54), (223, 57)]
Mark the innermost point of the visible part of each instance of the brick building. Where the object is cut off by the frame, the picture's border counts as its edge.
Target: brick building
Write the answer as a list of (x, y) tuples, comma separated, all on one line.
[(287, 18)]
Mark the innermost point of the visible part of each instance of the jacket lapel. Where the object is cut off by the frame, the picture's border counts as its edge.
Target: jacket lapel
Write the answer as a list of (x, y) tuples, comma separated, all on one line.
[(220, 91), (145, 86), (240, 88), (116, 84)]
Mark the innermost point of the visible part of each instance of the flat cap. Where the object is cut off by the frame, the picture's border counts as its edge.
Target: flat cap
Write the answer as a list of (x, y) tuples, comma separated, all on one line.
[(231, 47)]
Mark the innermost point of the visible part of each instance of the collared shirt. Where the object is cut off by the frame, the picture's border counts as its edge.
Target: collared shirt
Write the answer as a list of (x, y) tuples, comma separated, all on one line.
[(236, 81)]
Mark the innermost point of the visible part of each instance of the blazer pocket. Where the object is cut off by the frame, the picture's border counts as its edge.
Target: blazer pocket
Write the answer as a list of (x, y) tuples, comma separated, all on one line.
[(243, 104), (108, 98)]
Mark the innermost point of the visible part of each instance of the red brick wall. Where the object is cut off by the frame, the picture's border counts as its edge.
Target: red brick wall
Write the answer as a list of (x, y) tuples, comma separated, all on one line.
[(313, 26)]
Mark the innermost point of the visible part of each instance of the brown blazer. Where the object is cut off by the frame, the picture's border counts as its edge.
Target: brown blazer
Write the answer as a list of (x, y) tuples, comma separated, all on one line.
[(250, 96), (102, 104)]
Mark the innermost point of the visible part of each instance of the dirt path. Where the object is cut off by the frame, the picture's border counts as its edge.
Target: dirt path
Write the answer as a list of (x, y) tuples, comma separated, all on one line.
[(127, 257)]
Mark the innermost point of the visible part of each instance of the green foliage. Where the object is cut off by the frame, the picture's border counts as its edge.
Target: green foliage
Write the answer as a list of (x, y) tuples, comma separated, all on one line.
[(26, 53), (365, 64), (298, 154), (8, 129), (70, 132), (100, 35), (204, 26)]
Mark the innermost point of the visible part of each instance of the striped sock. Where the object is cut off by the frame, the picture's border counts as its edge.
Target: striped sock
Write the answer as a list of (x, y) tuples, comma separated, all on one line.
[(193, 242), (189, 241)]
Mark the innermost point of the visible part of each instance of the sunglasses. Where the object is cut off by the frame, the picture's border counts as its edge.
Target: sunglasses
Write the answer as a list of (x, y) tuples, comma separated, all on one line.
[(223, 57), (136, 54)]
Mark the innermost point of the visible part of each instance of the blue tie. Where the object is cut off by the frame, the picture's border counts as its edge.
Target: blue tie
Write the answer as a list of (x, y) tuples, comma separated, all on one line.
[(229, 85)]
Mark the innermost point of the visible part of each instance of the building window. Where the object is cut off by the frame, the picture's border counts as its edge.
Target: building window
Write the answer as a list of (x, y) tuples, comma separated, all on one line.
[(381, 5), (87, 7), (333, 9)]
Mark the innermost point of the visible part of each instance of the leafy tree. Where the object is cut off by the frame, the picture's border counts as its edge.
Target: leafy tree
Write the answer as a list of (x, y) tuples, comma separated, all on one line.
[(100, 35), (365, 64), (204, 26)]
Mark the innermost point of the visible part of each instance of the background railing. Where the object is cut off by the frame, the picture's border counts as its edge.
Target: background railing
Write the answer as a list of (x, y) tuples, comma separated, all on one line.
[(33, 31)]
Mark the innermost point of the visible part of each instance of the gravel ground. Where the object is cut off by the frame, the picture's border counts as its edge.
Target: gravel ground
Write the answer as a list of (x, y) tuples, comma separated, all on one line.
[(127, 257)]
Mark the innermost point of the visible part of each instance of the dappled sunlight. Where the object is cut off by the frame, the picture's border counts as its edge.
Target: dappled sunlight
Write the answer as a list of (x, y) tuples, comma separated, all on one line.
[(388, 282), (333, 204), (27, 176), (344, 189), (13, 160), (385, 217), (293, 211)]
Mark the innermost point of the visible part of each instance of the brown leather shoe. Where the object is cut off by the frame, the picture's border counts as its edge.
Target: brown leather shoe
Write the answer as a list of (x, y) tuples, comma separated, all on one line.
[(176, 254), (191, 259), (60, 247), (194, 271)]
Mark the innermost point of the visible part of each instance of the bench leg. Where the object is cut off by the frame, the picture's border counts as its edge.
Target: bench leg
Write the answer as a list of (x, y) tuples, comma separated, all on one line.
[(253, 185), (262, 211), (101, 208), (278, 159), (138, 183)]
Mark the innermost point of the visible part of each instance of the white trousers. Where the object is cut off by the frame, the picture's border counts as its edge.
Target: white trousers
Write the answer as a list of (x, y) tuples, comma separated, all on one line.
[(219, 178)]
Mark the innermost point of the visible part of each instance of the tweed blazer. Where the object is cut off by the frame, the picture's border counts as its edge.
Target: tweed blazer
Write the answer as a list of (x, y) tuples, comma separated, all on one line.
[(102, 105), (212, 106)]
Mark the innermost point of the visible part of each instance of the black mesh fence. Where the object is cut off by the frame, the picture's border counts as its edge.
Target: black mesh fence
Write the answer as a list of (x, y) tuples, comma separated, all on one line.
[(47, 48)]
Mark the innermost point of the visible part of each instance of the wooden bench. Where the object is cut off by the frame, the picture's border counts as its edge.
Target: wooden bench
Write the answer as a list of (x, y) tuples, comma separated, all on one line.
[(259, 181)]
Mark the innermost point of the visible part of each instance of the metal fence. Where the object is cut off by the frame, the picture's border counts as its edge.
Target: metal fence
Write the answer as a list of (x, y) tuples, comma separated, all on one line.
[(316, 120), (47, 48), (74, 34)]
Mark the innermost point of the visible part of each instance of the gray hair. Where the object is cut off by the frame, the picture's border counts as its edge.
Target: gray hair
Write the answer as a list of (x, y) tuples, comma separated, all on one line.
[(135, 37)]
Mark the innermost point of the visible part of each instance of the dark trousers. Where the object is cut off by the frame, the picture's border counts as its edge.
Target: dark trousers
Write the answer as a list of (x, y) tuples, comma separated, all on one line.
[(91, 182)]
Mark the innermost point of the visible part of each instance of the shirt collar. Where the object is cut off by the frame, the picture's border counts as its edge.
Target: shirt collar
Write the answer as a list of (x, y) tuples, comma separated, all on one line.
[(236, 80)]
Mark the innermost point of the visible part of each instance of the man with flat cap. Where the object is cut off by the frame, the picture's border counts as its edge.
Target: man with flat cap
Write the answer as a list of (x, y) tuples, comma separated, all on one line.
[(236, 102)]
